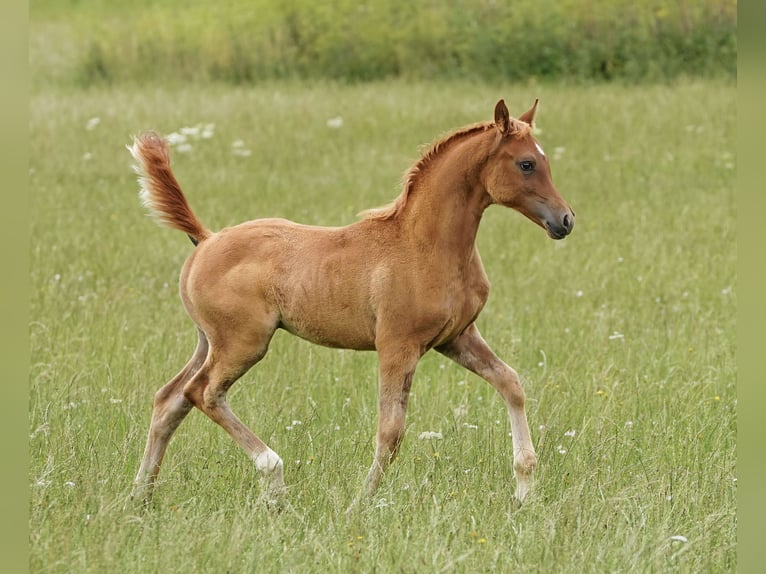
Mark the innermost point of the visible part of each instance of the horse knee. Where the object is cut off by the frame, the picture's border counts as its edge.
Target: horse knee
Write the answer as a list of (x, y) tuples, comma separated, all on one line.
[(517, 398), (511, 389)]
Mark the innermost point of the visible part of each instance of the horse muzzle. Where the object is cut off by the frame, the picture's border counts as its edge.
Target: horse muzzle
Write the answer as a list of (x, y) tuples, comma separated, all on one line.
[(559, 228)]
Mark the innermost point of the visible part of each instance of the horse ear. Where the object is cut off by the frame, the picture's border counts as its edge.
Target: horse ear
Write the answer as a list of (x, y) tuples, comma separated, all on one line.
[(529, 115), (502, 118)]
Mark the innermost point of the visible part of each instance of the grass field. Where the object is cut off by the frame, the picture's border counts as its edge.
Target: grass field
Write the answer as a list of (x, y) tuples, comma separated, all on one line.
[(623, 334)]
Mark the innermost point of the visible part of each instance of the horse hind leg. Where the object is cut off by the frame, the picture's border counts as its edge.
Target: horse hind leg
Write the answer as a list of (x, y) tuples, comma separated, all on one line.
[(207, 390), (170, 409)]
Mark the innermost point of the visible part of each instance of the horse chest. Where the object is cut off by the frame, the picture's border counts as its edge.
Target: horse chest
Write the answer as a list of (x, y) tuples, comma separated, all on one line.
[(440, 310), (468, 300)]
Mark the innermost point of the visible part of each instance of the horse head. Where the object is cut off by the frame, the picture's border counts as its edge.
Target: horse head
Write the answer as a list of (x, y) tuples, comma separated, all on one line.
[(518, 175)]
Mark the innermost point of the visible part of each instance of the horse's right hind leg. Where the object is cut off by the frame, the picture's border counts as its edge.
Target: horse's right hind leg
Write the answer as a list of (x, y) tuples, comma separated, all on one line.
[(170, 409)]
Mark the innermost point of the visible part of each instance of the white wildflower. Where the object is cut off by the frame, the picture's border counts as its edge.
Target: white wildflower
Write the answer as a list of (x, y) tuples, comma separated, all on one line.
[(294, 424), (238, 148), (191, 131), (241, 152), (175, 138), (92, 124), (335, 123), (428, 435)]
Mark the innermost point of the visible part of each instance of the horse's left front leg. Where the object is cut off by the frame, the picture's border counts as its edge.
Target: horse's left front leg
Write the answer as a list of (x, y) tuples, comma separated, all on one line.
[(471, 351), (397, 368)]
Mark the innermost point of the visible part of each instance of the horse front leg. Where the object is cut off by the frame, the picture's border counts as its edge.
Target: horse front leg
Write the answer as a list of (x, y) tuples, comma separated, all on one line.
[(395, 380), (471, 351), (397, 368)]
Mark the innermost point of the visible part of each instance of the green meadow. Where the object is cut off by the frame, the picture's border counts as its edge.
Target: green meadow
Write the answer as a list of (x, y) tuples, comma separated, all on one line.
[(623, 334)]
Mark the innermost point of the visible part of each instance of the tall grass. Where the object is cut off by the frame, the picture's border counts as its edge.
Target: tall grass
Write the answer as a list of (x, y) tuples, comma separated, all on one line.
[(624, 336), (248, 41)]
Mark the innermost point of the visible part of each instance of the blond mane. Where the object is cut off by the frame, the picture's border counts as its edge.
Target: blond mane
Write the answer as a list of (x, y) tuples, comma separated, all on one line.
[(518, 129)]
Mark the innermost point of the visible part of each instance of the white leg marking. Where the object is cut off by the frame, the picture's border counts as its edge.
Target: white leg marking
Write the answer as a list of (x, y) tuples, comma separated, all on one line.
[(267, 462)]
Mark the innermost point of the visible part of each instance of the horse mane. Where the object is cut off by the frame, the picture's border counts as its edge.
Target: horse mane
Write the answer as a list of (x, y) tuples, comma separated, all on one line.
[(518, 129)]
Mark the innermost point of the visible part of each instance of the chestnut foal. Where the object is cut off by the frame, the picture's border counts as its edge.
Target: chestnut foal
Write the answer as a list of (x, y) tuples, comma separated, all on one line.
[(404, 279)]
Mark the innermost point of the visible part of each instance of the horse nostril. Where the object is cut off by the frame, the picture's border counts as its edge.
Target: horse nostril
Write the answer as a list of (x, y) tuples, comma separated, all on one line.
[(567, 222)]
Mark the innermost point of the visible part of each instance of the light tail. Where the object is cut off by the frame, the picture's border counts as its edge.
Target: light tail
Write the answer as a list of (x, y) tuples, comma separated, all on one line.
[(160, 192)]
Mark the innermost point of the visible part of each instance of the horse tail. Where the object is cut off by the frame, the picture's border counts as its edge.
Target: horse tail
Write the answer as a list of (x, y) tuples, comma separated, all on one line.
[(160, 192)]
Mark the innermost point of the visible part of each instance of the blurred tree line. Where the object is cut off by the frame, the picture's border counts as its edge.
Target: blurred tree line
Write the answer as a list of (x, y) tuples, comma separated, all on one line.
[(246, 41)]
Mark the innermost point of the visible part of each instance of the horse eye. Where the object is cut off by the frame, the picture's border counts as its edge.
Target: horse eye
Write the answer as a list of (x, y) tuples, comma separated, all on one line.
[(527, 166)]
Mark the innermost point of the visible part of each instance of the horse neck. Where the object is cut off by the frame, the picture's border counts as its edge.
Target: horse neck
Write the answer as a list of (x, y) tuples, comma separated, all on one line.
[(447, 201)]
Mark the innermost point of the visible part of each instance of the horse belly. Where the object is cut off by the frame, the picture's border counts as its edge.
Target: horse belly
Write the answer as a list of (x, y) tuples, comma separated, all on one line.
[(339, 326), (328, 308)]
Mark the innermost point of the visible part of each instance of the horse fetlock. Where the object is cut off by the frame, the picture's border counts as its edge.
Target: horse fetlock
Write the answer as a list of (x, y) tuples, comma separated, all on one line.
[(524, 463), (269, 464), (141, 494), (271, 468)]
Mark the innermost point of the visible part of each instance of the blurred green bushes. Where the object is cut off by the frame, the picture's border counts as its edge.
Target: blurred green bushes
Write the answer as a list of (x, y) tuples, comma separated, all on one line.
[(244, 41)]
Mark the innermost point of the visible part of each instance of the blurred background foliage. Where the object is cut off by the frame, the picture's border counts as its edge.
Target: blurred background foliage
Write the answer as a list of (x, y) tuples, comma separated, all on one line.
[(82, 42)]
